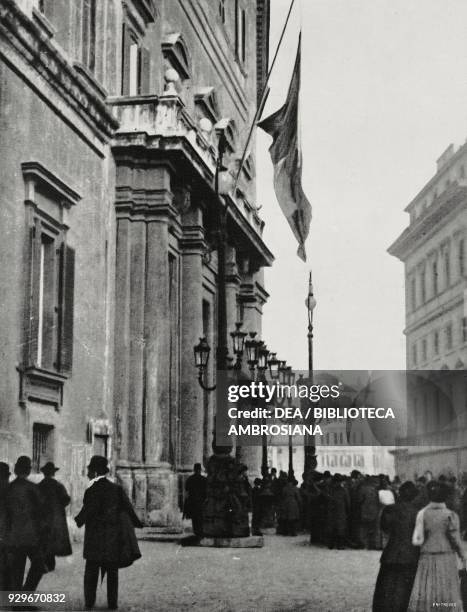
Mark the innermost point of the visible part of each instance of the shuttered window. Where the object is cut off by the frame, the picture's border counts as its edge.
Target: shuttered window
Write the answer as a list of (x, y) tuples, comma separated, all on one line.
[(49, 317), (135, 64)]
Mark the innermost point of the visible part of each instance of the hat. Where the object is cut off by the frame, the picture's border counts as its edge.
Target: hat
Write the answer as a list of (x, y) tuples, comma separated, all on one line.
[(98, 464), (49, 468), (23, 465)]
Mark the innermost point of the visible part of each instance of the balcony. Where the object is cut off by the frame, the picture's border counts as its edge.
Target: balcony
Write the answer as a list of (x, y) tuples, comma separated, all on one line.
[(163, 123)]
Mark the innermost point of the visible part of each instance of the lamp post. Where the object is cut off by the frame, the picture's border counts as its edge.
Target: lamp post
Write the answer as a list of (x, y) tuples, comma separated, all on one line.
[(262, 366), (291, 382), (310, 450)]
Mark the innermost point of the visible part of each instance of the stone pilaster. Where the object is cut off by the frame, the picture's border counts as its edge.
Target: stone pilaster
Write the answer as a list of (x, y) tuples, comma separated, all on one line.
[(192, 405), (143, 322)]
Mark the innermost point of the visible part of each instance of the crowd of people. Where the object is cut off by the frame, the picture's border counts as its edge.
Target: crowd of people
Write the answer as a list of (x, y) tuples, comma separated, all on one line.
[(33, 526), (418, 525)]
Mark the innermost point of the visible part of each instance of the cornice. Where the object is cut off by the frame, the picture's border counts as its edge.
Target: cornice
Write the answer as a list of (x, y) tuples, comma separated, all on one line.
[(449, 204), (31, 45)]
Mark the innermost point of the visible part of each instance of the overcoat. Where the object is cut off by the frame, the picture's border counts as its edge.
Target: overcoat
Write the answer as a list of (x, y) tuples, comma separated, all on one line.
[(109, 518), (25, 515), (289, 509), (338, 511), (55, 498)]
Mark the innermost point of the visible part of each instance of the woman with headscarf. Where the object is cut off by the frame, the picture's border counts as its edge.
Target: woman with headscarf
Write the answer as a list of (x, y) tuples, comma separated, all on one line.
[(398, 563), (437, 534)]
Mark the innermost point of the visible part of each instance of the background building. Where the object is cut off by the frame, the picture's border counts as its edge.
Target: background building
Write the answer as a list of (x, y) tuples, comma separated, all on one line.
[(433, 250), (111, 114)]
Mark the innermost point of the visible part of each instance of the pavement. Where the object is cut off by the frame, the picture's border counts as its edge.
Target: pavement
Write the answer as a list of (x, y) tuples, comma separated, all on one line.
[(286, 575)]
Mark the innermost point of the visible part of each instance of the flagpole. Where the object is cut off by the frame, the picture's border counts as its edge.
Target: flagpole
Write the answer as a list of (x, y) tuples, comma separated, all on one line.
[(264, 95)]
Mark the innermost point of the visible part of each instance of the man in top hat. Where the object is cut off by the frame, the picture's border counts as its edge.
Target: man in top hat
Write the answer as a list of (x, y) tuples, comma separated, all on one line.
[(4, 478), (25, 520), (55, 499), (109, 519)]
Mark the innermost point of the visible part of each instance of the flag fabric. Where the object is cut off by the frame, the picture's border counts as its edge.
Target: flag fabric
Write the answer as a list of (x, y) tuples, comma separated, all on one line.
[(286, 155)]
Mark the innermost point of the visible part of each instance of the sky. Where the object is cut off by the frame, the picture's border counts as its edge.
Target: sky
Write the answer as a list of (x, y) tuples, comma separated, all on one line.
[(384, 92)]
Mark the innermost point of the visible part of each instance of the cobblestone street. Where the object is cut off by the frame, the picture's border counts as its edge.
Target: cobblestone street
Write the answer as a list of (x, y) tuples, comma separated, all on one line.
[(286, 575)]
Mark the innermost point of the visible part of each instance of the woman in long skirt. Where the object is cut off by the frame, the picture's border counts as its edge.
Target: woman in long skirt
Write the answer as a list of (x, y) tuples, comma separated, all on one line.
[(437, 533), (400, 557)]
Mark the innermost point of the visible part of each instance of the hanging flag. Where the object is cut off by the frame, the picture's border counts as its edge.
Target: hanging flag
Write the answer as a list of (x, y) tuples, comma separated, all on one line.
[(286, 155)]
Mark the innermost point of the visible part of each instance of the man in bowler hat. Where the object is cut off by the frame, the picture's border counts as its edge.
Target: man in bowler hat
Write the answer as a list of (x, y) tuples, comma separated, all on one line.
[(103, 506), (25, 528), (55, 499)]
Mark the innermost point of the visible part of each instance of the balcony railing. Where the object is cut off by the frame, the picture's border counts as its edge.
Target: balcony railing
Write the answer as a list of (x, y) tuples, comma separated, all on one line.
[(166, 121)]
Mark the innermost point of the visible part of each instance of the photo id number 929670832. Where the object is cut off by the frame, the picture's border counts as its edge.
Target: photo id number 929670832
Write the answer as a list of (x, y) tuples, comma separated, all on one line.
[(48, 600)]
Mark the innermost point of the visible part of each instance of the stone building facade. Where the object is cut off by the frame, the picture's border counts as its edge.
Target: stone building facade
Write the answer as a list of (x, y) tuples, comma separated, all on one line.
[(111, 113), (433, 250)]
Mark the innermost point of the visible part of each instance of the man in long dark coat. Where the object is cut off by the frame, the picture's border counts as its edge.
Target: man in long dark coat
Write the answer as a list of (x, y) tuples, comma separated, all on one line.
[(195, 487), (103, 506), (338, 514), (55, 499), (4, 478), (369, 514), (25, 525)]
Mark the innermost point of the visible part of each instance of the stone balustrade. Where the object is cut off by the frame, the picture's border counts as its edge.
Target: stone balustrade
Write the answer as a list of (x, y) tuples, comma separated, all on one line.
[(165, 123)]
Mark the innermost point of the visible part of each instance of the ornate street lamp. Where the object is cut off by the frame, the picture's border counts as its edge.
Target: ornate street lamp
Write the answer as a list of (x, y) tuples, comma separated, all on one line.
[(273, 364), (283, 373), (202, 351), (263, 354), (252, 347), (238, 339)]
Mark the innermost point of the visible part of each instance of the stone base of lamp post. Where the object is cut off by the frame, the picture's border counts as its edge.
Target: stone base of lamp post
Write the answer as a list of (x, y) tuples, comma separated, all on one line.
[(227, 500)]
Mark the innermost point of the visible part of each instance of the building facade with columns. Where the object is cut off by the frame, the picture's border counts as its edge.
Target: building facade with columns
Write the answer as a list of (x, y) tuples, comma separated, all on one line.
[(111, 117), (433, 250)]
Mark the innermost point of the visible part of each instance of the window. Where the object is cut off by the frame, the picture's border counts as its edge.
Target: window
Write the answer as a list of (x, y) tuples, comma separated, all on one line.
[(88, 41), (414, 355), (464, 329), (423, 286), (424, 350), (42, 445), (240, 32), (335, 438), (436, 343), (448, 332), (434, 270), (461, 257), (413, 294), (447, 268), (222, 10), (49, 316), (135, 65)]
